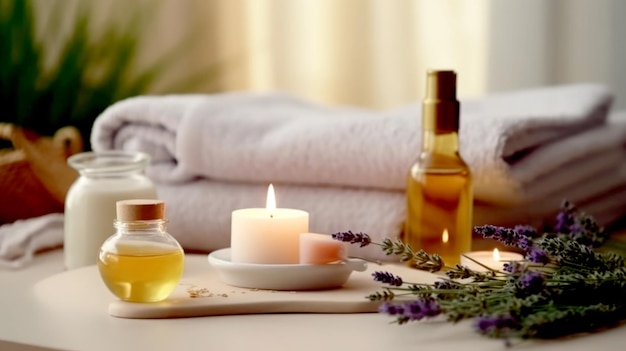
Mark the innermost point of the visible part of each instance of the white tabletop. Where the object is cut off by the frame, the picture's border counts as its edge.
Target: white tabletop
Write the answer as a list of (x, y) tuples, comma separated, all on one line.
[(26, 323)]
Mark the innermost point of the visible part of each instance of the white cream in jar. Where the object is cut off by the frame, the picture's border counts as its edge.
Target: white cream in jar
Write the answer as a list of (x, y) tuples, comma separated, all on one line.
[(105, 178)]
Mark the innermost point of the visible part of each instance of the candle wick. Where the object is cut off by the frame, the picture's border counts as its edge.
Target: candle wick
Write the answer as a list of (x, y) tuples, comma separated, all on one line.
[(271, 215)]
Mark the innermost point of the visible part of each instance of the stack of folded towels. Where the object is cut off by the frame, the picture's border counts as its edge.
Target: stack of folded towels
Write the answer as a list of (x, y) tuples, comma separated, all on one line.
[(212, 154)]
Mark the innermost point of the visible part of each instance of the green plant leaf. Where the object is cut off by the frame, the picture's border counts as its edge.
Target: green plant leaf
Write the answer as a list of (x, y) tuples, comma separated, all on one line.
[(45, 89)]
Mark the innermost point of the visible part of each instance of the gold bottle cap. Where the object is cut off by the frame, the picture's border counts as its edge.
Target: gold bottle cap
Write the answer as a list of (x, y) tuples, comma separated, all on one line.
[(441, 85), (440, 107), (140, 210)]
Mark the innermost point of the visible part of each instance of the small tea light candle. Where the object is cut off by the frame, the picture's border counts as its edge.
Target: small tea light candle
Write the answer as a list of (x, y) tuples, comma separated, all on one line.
[(267, 235), (492, 259), (320, 249)]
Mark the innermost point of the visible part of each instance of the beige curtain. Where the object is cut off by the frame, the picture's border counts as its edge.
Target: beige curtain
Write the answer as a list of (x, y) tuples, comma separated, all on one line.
[(366, 53), (374, 53)]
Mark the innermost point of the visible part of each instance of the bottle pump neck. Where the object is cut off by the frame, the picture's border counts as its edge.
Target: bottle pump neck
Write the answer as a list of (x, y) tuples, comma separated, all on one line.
[(440, 113)]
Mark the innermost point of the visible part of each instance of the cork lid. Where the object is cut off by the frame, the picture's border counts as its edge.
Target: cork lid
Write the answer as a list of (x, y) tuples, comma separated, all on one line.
[(140, 210)]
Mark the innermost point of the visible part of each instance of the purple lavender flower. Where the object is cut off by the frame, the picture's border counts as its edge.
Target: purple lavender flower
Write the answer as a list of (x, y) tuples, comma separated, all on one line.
[(391, 309), (387, 278), (532, 283), (422, 308), (565, 218), (506, 236), (576, 228), (446, 284), (524, 243), (579, 226), (563, 222), (487, 231), (412, 311), (537, 255), (484, 324), (526, 230), (513, 267), (488, 324), (353, 238)]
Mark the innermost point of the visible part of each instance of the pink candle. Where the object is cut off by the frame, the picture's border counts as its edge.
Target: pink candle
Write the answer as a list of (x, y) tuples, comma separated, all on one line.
[(320, 249)]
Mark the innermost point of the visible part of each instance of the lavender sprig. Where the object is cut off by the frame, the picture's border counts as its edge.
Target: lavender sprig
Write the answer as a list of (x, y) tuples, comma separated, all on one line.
[(571, 224), (411, 311), (387, 278), (419, 259), (562, 287), (353, 238)]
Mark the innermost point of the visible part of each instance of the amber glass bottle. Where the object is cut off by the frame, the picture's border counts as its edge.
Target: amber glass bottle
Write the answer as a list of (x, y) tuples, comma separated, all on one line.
[(439, 189)]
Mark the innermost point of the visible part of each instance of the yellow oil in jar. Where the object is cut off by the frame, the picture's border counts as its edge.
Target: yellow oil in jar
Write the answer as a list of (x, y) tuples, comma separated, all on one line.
[(141, 272)]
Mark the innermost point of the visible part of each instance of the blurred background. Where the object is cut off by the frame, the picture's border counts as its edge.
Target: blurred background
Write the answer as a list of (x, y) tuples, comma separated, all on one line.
[(374, 53), (63, 61)]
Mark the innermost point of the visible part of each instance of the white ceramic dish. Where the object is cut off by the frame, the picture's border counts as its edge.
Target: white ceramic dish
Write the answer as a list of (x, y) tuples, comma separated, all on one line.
[(283, 276)]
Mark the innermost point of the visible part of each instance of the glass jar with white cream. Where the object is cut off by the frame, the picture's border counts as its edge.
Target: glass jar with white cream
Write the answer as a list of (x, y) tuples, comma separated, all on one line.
[(105, 178)]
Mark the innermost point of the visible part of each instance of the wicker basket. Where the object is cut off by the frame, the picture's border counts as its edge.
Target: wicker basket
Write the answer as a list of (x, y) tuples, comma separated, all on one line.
[(34, 176)]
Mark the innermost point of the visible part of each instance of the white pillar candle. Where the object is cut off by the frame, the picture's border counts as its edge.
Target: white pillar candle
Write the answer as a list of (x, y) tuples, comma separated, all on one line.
[(320, 249), (267, 235), (492, 259)]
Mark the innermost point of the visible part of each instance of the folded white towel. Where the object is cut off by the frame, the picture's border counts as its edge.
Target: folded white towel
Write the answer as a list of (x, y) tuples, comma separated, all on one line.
[(606, 208), (592, 158), (20, 240), (242, 137), (528, 150), (199, 212), (588, 168)]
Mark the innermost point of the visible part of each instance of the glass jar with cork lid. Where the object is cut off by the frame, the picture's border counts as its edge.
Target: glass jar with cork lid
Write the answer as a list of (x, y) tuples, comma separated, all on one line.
[(141, 262)]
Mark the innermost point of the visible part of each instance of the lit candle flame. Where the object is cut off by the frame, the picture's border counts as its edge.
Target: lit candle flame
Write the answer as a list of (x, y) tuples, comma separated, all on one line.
[(445, 236), (496, 255), (271, 200)]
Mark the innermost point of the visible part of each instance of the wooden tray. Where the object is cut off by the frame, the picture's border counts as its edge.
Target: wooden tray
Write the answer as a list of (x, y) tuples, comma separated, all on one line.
[(202, 293)]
